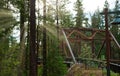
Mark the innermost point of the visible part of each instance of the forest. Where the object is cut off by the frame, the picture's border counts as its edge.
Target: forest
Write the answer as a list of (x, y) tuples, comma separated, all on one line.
[(30, 37)]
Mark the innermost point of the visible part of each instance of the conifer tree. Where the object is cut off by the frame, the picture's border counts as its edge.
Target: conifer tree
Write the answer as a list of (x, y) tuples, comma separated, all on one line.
[(79, 13), (55, 65)]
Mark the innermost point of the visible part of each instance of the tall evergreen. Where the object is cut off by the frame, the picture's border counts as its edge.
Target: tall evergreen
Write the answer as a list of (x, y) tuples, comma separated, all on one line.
[(79, 13), (55, 62), (97, 20)]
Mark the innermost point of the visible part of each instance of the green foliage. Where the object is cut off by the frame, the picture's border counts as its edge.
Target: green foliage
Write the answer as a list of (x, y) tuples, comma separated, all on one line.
[(86, 51), (4, 4), (17, 3), (64, 16), (40, 70), (55, 65), (115, 31), (79, 16), (49, 15), (97, 20), (7, 21), (8, 53), (111, 72), (9, 57), (66, 20), (8, 46)]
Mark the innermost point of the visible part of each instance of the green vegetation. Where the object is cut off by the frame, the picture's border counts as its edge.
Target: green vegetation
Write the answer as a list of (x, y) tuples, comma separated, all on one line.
[(112, 73), (55, 64), (14, 51), (80, 15)]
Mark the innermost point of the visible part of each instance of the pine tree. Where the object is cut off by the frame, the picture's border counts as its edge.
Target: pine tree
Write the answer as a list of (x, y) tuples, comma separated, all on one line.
[(55, 65), (79, 13), (97, 20)]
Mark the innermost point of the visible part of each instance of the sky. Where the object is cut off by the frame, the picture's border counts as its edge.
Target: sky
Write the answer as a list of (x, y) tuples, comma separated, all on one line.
[(90, 6)]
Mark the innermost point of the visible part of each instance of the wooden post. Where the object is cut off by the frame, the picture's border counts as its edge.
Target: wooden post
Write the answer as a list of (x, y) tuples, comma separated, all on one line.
[(93, 46), (107, 42)]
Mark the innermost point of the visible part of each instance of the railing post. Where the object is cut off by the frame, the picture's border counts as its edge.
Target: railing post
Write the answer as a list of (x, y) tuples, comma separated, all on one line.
[(107, 41)]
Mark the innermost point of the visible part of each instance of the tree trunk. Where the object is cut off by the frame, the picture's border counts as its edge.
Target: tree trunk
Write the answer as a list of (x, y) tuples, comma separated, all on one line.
[(44, 41), (22, 40), (33, 53)]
